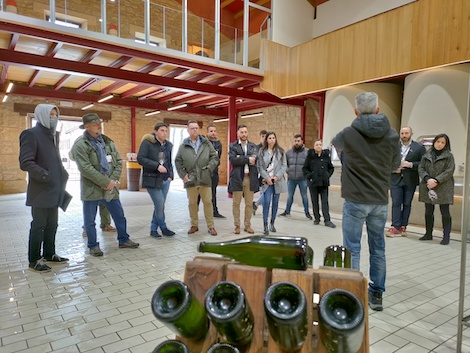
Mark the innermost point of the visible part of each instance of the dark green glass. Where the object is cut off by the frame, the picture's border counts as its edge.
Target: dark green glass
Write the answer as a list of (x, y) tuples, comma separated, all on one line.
[(230, 313), (223, 348), (271, 252), (337, 256), (286, 312), (175, 305), (171, 346), (341, 321)]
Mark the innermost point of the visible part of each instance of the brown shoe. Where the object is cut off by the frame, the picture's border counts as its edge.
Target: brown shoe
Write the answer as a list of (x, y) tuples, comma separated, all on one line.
[(237, 230), (212, 231), (193, 229), (108, 228), (249, 230)]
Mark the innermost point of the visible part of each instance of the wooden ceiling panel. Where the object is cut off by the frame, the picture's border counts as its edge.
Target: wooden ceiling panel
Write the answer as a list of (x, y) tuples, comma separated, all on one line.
[(19, 74), (4, 40), (105, 59), (72, 53), (30, 45)]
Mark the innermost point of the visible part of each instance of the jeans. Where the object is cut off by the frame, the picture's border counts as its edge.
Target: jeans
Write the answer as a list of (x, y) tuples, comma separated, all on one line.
[(260, 200), (375, 216), (315, 192), (158, 197), (402, 196), (270, 197), (291, 186), (42, 233), (89, 214)]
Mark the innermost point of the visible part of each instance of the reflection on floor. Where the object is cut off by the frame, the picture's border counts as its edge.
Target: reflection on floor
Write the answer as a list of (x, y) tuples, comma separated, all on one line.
[(103, 304)]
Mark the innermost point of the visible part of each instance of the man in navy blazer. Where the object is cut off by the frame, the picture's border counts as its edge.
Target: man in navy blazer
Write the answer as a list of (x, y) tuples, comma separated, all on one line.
[(403, 182)]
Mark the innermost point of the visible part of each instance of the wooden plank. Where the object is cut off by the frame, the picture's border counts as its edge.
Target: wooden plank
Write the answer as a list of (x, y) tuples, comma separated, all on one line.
[(254, 282), (330, 278)]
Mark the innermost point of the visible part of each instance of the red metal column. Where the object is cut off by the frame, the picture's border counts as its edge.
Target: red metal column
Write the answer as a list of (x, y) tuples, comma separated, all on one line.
[(232, 129), (303, 120), (321, 113), (133, 130)]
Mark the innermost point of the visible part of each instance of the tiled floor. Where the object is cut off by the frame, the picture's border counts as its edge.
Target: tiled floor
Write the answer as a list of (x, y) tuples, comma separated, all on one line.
[(103, 304)]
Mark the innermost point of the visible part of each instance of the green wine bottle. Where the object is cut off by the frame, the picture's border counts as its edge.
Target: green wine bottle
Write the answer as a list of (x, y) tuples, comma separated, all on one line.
[(171, 346), (272, 252), (175, 305), (341, 321), (230, 313), (286, 312), (337, 256), (223, 348)]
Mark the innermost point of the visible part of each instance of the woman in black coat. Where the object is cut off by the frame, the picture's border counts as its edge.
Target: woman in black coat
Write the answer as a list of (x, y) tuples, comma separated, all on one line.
[(436, 172), (318, 170)]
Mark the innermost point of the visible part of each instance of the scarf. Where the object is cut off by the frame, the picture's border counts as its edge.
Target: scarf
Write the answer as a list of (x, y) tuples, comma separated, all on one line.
[(100, 147)]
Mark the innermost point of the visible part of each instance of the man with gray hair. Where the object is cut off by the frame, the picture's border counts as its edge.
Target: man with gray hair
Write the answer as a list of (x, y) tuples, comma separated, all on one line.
[(369, 153)]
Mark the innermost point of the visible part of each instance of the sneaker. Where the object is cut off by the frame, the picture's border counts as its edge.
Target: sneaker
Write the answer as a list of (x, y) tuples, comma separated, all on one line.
[(96, 251), (316, 222), (308, 216), (155, 234), (39, 266), (129, 244), (392, 232), (255, 208), (330, 224), (218, 215), (56, 258), (403, 231), (168, 233), (375, 301), (284, 214)]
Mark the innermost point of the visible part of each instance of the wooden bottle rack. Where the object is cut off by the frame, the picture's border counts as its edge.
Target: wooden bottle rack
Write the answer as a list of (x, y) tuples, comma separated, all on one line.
[(203, 272)]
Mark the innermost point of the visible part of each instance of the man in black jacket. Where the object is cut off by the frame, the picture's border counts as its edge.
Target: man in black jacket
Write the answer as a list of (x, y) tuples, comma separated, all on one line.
[(369, 152), (403, 182), (155, 158), (243, 181), (47, 178), (212, 136)]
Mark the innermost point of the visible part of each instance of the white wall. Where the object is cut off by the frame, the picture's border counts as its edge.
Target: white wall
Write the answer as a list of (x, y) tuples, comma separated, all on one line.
[(339, 106), (436, 101), (292, 21), (335, 14)]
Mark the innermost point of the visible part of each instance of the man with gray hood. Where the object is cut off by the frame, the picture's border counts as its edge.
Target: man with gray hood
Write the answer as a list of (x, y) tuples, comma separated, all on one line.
[(47, 178), (369, 153)]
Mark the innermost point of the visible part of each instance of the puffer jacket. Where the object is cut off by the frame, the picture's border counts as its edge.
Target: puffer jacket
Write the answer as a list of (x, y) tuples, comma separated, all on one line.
[(148, 158), (442, 169), (92, 182), (199, 166), (295, 161)]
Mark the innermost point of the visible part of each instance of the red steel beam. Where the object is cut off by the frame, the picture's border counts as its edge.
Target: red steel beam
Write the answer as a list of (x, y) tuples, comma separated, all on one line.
[(13, 41), (152, 94), (34, 78), (198, 77), (170, 96), (96, 71), (3, 77)]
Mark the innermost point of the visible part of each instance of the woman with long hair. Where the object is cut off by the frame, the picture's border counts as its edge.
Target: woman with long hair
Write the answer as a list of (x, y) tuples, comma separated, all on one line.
[(272, 166), (436, 187)]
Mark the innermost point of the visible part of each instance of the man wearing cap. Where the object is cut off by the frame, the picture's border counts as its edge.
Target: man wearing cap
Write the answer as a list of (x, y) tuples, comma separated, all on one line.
[(40, 157), (100, 166)]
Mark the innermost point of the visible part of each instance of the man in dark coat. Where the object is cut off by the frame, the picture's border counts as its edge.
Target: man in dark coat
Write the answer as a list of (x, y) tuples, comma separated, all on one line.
[(243, 181), (369, 150), (212, 136), (403, 182), (47, 178)]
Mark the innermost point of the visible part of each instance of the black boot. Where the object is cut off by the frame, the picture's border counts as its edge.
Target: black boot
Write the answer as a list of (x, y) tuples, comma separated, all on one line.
[(271, 227), (429, 219), (447, 225), (266, 230)]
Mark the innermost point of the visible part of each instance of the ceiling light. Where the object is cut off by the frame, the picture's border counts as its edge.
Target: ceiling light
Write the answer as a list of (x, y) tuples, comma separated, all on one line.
[(152, 113), (184, 105), (88, 106), (5, 97), (220, 120), (252, 115), (10, 86), (105, 98)]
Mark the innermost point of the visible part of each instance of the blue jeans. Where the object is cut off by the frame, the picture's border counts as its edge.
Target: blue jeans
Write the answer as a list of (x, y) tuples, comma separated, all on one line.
[(270, 197), (402, 196), (375, 216), (291, 186), (260, 198), (115, 209), (158, 197)]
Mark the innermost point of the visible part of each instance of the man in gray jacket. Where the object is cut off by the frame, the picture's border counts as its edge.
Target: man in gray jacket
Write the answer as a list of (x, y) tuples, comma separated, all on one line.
[(295, 161), (195, 162)]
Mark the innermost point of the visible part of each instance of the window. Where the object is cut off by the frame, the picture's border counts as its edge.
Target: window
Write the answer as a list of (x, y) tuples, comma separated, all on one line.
[(67, 20)]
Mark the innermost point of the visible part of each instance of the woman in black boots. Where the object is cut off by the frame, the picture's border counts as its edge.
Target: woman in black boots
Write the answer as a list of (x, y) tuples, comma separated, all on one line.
[(436, 172), (272, 166)]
